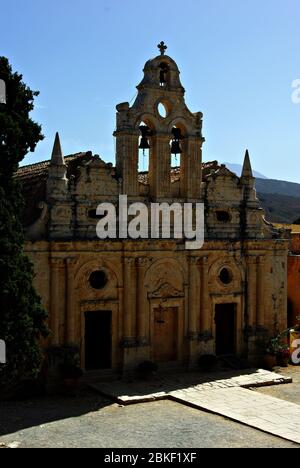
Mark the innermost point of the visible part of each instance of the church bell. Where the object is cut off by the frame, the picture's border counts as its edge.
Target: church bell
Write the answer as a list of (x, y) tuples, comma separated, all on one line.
[(175, 146), (145, 132)]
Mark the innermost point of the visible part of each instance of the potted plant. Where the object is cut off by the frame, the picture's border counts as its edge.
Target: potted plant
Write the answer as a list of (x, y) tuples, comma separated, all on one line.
[(270, 359), (283, 355)]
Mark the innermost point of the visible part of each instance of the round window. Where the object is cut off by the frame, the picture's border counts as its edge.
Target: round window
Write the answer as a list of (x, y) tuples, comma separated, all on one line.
[(98, 279), (225, 276), (162, 110)]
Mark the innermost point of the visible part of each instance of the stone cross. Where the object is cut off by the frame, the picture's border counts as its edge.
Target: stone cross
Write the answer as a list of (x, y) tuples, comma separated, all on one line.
[(162, 48)]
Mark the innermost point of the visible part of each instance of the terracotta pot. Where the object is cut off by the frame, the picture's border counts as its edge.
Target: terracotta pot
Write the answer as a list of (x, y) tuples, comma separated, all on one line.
[(283, 361), (270, 361)]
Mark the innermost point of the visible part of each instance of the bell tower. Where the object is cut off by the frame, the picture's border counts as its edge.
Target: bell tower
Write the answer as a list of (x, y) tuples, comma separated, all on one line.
[(176, 130)]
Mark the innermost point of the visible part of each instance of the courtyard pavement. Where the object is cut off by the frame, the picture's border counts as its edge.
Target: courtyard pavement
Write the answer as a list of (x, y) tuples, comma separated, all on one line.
[(92, 420), (225, 394)]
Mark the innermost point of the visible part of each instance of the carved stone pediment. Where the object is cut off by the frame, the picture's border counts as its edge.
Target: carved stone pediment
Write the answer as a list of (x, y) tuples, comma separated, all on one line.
[(165, 290)]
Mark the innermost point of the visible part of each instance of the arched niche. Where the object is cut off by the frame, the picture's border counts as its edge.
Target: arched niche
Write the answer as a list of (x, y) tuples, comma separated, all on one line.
[(165, 278)]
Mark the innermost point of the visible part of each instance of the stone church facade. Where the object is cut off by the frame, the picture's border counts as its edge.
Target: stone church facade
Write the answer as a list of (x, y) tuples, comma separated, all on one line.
[(125, 301)]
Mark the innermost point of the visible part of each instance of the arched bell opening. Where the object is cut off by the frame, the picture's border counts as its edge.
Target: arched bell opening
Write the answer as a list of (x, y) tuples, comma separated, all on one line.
[(145, 145), (177, 145), (164, 74)]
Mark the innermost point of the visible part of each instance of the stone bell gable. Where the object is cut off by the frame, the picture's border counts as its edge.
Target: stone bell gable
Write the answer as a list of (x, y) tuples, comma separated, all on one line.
[(160, 86)]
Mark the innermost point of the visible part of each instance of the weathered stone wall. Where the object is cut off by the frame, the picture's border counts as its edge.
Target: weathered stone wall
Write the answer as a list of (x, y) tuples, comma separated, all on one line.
[(144, 275)]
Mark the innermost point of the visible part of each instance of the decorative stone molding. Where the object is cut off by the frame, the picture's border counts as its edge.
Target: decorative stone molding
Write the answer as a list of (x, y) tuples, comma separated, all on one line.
[(128, 343), (193, 336), (142, 341), (166, 290), (205, 336)]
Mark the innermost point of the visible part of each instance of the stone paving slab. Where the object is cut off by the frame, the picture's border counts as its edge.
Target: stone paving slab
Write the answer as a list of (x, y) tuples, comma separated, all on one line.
[(263, 412), (142, 392), (228, 396)]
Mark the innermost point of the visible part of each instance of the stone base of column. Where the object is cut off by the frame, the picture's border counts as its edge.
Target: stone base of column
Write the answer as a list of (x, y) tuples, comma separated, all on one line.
[(207, 347), (135, 355), (256, 346), (194, 352)]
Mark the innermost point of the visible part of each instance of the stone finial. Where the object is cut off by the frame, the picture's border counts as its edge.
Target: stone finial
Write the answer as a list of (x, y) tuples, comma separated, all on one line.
[(57, 158), (247, 169), (162, 47)]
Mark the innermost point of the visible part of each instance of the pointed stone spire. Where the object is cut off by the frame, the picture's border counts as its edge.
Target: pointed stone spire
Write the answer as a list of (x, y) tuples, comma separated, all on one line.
[(247, 169), (57, 158), (57, 172)]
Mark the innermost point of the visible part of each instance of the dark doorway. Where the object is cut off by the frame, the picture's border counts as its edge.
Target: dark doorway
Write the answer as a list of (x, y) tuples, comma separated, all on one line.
[(98, 342), (225, 320)]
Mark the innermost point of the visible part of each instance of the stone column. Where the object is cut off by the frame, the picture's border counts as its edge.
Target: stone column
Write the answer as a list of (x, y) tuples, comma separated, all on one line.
[(127, 156), (261, 300), (56, 264), (205, 310), (194, 298), (129, 300), (129, 334), (142, 303), (71, 309), (194, 311), (252, 290), (191, 168), (160, 167)]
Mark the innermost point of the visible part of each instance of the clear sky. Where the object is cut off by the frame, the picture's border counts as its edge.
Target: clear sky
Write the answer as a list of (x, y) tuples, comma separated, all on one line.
[(238, 60)]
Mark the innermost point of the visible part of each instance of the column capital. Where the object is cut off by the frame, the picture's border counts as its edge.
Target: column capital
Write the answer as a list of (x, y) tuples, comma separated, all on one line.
[(261, 259), (70, 261), (143, 262), (57, 262), (252, 260), (197, 261), (129, 261)]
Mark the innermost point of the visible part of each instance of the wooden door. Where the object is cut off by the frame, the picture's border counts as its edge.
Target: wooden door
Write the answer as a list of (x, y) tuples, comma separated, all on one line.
[(165, 334)]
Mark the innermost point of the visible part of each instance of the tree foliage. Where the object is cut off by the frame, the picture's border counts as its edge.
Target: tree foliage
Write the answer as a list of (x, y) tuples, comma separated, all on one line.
[(22, 318)]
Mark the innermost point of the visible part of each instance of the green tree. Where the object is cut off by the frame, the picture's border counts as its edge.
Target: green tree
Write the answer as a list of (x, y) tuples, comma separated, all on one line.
[(22, 318)]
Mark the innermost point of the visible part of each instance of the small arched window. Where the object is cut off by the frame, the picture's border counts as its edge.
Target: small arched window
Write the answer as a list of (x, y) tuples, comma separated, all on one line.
[(163, 74), (2, 92)]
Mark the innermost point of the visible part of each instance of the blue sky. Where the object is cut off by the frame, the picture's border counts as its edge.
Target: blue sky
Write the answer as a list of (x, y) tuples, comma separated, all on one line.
[(238, 60)]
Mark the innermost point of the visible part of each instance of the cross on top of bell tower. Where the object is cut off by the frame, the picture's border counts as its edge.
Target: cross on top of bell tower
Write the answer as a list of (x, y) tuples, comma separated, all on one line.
[(162, 47)]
